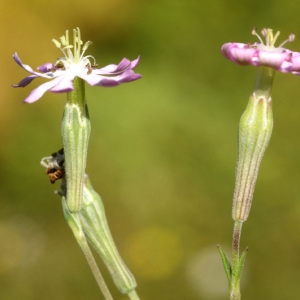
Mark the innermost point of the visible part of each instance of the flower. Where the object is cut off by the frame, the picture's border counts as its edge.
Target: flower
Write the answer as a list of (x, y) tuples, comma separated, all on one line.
[(260, 54), (62, 73)]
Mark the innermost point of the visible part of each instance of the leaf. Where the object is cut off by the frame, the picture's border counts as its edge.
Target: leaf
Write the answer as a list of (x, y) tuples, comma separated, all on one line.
[(226, 263), (240, 266)]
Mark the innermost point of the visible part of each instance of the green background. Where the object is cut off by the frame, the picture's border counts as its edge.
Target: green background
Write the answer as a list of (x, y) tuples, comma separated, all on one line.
[(162, 151)]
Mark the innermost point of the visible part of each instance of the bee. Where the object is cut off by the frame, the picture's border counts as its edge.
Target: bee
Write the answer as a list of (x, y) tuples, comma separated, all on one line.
[(54, 165), (55, 174)]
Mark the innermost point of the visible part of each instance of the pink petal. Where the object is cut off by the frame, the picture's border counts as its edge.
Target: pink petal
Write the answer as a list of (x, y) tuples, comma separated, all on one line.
[(128, 76), (24, 82), (64, 83), (19, 62), (113, 69), (98, 80), (109, 69), (135, 62), (280, 59), (37, 93), (123, 65), (47, 67), (29, 69)]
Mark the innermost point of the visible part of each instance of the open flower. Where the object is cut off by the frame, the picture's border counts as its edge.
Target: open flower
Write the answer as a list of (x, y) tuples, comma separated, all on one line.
[(62, 73), (260, 54)]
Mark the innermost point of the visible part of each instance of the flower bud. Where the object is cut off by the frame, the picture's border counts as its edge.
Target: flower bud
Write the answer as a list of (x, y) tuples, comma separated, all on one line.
[(254, 135)]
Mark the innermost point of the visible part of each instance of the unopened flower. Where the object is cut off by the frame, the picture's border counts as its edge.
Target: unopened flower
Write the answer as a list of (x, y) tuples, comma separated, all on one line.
[(264, 54), (72, 64), (256, 123)]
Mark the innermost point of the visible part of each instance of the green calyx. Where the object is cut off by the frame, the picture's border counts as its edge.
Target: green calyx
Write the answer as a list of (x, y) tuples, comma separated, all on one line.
[(255, 131), (75, 130)]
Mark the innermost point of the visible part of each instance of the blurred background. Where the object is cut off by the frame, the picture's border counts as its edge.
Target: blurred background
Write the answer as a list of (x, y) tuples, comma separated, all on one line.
[(162, 151)]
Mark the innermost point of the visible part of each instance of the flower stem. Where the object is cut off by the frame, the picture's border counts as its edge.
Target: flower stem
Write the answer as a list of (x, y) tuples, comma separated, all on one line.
[(264, 81), (235, 293), (73, 221), (133, 295), (94, 268), (237, 230)]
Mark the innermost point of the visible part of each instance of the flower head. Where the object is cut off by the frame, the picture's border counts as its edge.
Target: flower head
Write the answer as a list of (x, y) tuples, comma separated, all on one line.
[(72, 64), (260, 54)]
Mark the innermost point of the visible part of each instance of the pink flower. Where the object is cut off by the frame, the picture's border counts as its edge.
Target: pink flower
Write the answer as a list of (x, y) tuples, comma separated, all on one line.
[(73, 64), (260, 54)]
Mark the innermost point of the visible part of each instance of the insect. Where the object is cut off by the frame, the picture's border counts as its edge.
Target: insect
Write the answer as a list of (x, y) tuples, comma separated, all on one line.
[(54, 165), (55, 174)]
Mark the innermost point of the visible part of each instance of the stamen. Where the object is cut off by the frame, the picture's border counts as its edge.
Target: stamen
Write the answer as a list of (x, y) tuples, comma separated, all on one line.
[(90, 69), (290, 39), (93, 58), (75, 41), (63, 41), (77, 44), (271, 39), (253, 32), (67, 37), (76, 54), (56, 43), (84, 48), (64, 45), (86, 45), (264, 32), (267, 33)]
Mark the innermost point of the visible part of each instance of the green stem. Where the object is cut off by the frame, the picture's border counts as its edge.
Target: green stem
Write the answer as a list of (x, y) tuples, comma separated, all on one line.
[(94, 268), (133, 295), (235, 293), (75, 225), (264, 81)]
